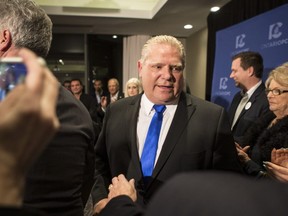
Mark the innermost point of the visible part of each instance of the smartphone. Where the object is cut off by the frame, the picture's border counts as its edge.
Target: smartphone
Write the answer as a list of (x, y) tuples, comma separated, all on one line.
[(12, 72)]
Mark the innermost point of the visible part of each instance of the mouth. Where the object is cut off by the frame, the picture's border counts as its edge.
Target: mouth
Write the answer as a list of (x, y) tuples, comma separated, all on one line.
[(166, 87)]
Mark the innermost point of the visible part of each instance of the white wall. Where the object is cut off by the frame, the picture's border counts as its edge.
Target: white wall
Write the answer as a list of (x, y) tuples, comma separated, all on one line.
[(196, 55)]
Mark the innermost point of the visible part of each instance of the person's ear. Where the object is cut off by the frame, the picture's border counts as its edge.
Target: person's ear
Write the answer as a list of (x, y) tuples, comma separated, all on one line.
[(139, 65), (250, 71), (5, 40)]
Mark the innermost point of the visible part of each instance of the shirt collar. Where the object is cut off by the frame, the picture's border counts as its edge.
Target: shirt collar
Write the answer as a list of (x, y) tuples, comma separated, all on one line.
[(148, 105), (253, 89)]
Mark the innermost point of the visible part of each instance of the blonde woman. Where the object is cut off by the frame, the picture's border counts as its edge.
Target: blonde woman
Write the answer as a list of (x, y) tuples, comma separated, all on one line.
[(271, 131), (133, 87)]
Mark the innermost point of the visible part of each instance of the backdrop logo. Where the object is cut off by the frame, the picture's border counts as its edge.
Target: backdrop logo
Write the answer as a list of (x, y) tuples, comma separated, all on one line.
[(275, 36), (223, 83), (240, 41), (274, 30)]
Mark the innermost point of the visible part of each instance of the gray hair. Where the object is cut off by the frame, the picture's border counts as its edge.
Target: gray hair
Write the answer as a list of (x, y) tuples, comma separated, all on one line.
[(279, 74), (163, 39), (28, 24)]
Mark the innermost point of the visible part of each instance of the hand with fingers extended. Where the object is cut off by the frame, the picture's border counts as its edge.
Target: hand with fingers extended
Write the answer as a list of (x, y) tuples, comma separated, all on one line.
[(278, 167), (243, 153)]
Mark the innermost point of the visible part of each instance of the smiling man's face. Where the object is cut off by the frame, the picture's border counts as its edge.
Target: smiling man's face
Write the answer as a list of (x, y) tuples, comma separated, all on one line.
[(162, 74)]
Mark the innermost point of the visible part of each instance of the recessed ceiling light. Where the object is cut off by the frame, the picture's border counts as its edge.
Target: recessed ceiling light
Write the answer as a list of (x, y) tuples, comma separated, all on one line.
[(188, 26), (114, 36), (214, 9)]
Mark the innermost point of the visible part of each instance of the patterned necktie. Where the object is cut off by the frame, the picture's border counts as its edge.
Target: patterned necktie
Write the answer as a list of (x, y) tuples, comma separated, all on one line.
[(240, 107), (151, 142)]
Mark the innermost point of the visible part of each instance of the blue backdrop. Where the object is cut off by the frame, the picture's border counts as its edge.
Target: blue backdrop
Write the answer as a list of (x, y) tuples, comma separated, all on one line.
[(266, 33)]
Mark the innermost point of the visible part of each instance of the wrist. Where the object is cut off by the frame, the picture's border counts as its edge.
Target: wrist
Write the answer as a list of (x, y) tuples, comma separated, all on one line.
[(12, 182), (11, 187)]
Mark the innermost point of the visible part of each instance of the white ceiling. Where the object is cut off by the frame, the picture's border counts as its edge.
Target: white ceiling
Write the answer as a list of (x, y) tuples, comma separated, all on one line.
[(141, 9), (129, 17)]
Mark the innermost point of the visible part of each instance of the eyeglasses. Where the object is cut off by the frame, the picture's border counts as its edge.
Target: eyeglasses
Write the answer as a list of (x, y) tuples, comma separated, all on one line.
[(275, 92)]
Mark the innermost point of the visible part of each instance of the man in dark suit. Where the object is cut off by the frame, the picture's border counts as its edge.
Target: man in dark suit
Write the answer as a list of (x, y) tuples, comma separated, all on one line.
[(247, 71), (195, 134), (61, 179), (27, 125), (113, 95), (98, 92), (88, 101), (114, 91), (202, 194)]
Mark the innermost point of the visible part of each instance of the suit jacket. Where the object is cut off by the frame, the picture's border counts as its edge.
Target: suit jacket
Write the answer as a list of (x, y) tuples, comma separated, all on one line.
[(259, 107), (14, 211), (91, 104), (262, 139), (199, 138), (103, 93), (60, 181), (120, 96), (206, 194)]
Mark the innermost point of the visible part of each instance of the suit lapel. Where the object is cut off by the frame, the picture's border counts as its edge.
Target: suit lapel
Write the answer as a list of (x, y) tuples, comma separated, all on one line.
[(132, 115), (252, 99), (182, 116), (234, 106)]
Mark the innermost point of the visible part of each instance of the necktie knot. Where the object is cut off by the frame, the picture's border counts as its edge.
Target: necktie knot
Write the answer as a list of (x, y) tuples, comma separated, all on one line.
[(159, 108)]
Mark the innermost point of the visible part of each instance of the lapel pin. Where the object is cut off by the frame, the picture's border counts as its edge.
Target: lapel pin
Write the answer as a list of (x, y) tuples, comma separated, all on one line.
[(248, 105)]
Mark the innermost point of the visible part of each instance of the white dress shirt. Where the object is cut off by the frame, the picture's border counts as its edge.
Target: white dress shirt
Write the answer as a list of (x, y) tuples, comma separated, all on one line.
[(146, 113)]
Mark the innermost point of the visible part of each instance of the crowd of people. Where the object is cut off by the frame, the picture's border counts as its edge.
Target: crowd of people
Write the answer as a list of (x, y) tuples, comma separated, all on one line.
[(156, 150)]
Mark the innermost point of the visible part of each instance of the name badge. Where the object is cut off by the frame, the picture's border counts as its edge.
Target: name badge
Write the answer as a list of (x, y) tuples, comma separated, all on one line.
[(248, 105)]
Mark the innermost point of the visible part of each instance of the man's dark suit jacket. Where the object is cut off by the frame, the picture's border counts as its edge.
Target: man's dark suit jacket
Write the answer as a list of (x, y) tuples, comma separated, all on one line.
[(103, 93), (209, 194), (199, 139), (120, 96), (259, 107), (91, 104), (13, 211), (61, 180)]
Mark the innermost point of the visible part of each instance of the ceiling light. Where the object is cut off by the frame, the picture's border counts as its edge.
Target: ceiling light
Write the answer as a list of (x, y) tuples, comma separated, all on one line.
[(61, 61), (114, 36), (188, 26), (214, 9)]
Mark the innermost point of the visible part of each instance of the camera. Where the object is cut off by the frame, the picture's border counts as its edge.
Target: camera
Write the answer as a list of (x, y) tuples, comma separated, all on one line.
[(12, 72)]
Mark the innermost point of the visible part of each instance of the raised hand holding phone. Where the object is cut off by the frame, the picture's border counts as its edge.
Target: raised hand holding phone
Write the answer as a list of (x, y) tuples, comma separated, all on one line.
[(12, 72)]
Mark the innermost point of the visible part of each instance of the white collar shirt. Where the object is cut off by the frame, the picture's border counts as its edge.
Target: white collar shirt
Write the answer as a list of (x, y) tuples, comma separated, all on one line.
[(146, 113)]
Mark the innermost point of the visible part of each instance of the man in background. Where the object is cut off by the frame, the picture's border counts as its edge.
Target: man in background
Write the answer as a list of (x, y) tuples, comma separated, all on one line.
[(251, 102), (88, 101), (60, 181), (114, 93), (98, 92), (67, 84)]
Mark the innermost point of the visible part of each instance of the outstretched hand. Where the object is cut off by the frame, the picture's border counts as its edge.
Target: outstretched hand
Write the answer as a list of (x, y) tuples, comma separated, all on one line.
[(121, 186), (278, 167), (242, 153)]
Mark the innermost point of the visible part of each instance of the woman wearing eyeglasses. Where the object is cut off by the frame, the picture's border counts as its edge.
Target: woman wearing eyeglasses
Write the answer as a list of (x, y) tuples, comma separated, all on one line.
[(270, 131)]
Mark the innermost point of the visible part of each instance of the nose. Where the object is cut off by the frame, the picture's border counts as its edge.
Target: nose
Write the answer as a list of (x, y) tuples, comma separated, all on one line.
[(269, 94), (231, 74), (167, 73)]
